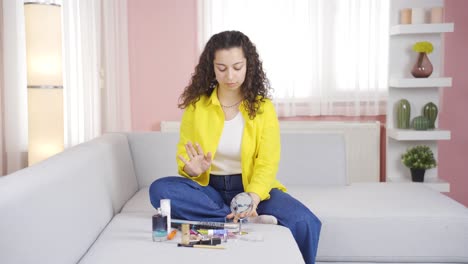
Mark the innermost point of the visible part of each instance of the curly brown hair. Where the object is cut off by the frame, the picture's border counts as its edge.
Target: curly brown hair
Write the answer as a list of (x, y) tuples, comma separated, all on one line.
[(256, 86)]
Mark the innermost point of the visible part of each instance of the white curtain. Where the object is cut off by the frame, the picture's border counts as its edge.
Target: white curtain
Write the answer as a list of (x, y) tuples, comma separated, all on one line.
[(323, 57), (81, 53), (96, 76), (116, 94), (96, 82), (13, 105)]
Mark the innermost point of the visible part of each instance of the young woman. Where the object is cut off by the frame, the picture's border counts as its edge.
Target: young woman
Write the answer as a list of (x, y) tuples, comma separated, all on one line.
[(230, 143)]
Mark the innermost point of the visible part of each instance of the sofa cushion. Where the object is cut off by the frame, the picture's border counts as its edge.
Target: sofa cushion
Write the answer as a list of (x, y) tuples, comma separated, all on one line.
[(139, 203), (117, 161), (154, 155), (387, 222), (312, 159), (53, 211), (127, 239), (376, 222)]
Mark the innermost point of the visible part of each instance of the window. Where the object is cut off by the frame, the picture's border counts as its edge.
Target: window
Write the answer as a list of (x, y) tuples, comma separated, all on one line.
[(323, 57)]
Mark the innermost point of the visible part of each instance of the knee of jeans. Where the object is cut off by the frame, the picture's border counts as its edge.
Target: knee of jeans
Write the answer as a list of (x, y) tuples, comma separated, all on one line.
[(315, 220), (157, 190), (153, 193), (311, 219)]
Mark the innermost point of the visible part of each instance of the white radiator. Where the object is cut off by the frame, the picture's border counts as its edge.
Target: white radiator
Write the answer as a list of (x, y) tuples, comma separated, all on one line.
[(362, 143)]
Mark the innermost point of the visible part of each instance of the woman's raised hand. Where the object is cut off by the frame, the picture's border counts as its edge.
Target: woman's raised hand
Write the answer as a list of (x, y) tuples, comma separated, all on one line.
[(198, 162)]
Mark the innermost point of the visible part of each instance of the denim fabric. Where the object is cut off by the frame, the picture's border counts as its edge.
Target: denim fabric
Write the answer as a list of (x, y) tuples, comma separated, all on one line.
[(191, 201), (228, 186)]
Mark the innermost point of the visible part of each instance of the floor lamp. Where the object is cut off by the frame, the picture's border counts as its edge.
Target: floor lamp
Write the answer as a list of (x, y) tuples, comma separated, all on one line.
[(45, 86)]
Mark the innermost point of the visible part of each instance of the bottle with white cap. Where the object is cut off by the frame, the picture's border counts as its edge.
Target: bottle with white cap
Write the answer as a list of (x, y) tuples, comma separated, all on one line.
[(166, 211)]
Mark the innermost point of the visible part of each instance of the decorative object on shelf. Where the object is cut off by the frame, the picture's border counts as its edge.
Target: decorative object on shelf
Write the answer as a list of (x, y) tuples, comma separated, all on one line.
[(417, 15), (403, 114), (418, 159), (423, 67), (421, 123), (430, 111), (405, 16), (437, 15)]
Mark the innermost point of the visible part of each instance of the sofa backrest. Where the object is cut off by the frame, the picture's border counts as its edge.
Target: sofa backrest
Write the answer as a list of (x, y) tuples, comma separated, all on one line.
[(306, 158), (53, 211), (119, 173), (317, 158), (154, 155)]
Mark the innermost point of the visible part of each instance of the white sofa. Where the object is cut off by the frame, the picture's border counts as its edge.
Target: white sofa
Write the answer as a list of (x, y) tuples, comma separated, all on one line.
[(90, 204)]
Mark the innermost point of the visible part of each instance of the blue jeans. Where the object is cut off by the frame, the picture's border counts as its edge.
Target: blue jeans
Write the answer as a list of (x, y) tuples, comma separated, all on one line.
[(191, 201)]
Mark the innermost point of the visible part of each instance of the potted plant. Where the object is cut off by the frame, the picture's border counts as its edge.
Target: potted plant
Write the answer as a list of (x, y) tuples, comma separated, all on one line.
[(418, 159), (423, 67)]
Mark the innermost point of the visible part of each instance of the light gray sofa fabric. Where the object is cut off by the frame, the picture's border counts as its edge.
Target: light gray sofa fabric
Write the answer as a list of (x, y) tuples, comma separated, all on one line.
[(127, 239), (387, 222), (154, 155), (318, 158), (312, 159), (117, 160), (376, 222), (54, 211), (361, 222)]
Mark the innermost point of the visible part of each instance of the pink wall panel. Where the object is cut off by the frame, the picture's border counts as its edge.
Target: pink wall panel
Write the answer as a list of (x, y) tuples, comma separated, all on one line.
[(453, 154), (162, 54)]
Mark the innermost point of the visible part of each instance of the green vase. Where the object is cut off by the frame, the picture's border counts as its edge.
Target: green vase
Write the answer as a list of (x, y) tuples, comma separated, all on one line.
[(403, 114), (421, 123), (430, 111)]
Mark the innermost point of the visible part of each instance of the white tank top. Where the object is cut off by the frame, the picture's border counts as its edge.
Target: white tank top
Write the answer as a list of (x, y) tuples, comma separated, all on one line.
[(227, 159)]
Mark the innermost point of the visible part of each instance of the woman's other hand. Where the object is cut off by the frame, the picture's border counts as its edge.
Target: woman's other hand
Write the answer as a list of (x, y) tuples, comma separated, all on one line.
[(198, 162)]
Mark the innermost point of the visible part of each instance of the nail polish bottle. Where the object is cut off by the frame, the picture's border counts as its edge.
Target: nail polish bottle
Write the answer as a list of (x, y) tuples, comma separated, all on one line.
[(159, 226)]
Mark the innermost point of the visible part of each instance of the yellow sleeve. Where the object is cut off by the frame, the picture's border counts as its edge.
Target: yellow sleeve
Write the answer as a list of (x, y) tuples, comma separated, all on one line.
[(186, 134), (267, 160)]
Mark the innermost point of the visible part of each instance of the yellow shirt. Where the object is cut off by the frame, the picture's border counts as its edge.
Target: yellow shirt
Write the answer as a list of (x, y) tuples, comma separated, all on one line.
[(260, 149)]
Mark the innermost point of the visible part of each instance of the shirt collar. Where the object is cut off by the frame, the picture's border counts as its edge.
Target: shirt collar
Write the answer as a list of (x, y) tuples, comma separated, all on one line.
[(214, 97)]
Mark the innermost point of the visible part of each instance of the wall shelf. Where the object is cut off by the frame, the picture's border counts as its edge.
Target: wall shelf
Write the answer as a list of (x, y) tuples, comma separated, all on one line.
[(421, 28), (420, 82), (417, 135), (418, 91)]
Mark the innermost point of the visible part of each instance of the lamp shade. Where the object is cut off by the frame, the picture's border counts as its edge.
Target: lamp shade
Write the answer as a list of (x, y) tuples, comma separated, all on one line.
[(45, 122), (44, 70), (43, 44)]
